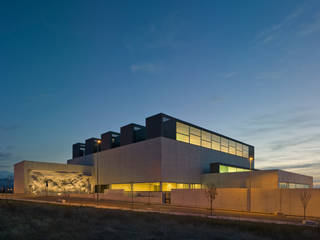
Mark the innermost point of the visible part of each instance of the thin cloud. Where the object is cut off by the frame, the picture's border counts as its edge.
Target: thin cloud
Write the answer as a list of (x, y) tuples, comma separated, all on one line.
[(5, 156), (287, 139), (229, 75), (9, 127), (294, 166), (269, 76), (312, 27), (165, 33), (143, 67), (272, 33)]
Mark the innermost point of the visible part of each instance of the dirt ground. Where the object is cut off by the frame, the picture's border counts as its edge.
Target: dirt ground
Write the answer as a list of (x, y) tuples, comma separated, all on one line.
[(26, 220)]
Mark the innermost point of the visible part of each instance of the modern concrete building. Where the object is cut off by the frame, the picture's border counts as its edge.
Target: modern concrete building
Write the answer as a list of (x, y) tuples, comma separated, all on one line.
[(166, 153)]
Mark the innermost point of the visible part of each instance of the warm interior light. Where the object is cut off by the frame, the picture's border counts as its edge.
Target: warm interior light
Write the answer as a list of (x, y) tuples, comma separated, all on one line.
[(98, 141)]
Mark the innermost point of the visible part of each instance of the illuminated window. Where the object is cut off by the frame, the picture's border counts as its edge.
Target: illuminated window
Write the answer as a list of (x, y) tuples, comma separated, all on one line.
[(232, 150), (224, 145), (195, 136), (283, 185), (182, 128), (125, 187), (167, 187), (206, 144), (195, 140), (245, 152), (195, 186), (223, 169), (182, 138), (232, 144), (229, 169), (205, 136), (216, 146), (138, 187), (224, 142), (239, 149), (195, 131), (182, 186), (146, 187), (232, 147), (224, 149), (215, 138)]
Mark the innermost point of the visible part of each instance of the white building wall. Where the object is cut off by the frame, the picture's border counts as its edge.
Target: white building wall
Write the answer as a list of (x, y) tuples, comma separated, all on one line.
[(138, 162), (185, 163)]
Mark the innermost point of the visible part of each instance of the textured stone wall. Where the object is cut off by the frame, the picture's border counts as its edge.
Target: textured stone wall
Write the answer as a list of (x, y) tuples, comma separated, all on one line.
[(58, 182)]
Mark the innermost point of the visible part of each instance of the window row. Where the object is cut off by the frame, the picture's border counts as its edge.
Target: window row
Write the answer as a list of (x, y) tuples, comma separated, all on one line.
[(153, 187), (292, 185), (229, 169), (192, 135)]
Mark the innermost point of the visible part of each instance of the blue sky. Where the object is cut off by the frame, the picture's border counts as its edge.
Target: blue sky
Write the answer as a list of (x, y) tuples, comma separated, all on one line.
[(70, 70)]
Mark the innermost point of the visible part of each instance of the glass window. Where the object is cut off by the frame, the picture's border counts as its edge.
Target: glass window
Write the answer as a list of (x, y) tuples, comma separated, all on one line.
[(195, 186), (167, 187), (216, 146), (195, 131), (245, 151), (239, 153), (232, 144), (182, 186), (239, 147), (245, 154), (228, 169), (215, 138), (224, 149), (206, 144), (223, 169), (232, 150), (182, 138), (125, 187), (224, 142), (182, 128), (245, 148), (206, 136), (146, 187), (195, 140)]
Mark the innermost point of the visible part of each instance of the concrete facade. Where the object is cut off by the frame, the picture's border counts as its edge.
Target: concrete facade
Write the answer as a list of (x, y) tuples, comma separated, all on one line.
[(159, 160), (268, 179)]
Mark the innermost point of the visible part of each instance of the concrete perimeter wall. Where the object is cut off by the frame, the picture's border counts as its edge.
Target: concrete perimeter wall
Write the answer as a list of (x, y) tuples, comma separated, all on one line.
[(120, 195), (286, 201), (227, 198)]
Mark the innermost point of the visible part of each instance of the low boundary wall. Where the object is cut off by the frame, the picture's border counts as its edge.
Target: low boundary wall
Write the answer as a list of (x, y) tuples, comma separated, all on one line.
[(286, 201)]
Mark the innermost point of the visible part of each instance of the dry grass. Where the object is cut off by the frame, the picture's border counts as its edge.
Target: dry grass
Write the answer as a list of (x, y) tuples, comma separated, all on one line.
[(22, 220)]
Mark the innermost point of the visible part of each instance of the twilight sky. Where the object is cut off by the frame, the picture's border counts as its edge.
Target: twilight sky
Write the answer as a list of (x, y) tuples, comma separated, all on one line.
[(70, 70)]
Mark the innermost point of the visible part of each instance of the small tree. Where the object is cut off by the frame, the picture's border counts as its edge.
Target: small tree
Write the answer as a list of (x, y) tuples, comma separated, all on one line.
[(305, 197), (211, 192)]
